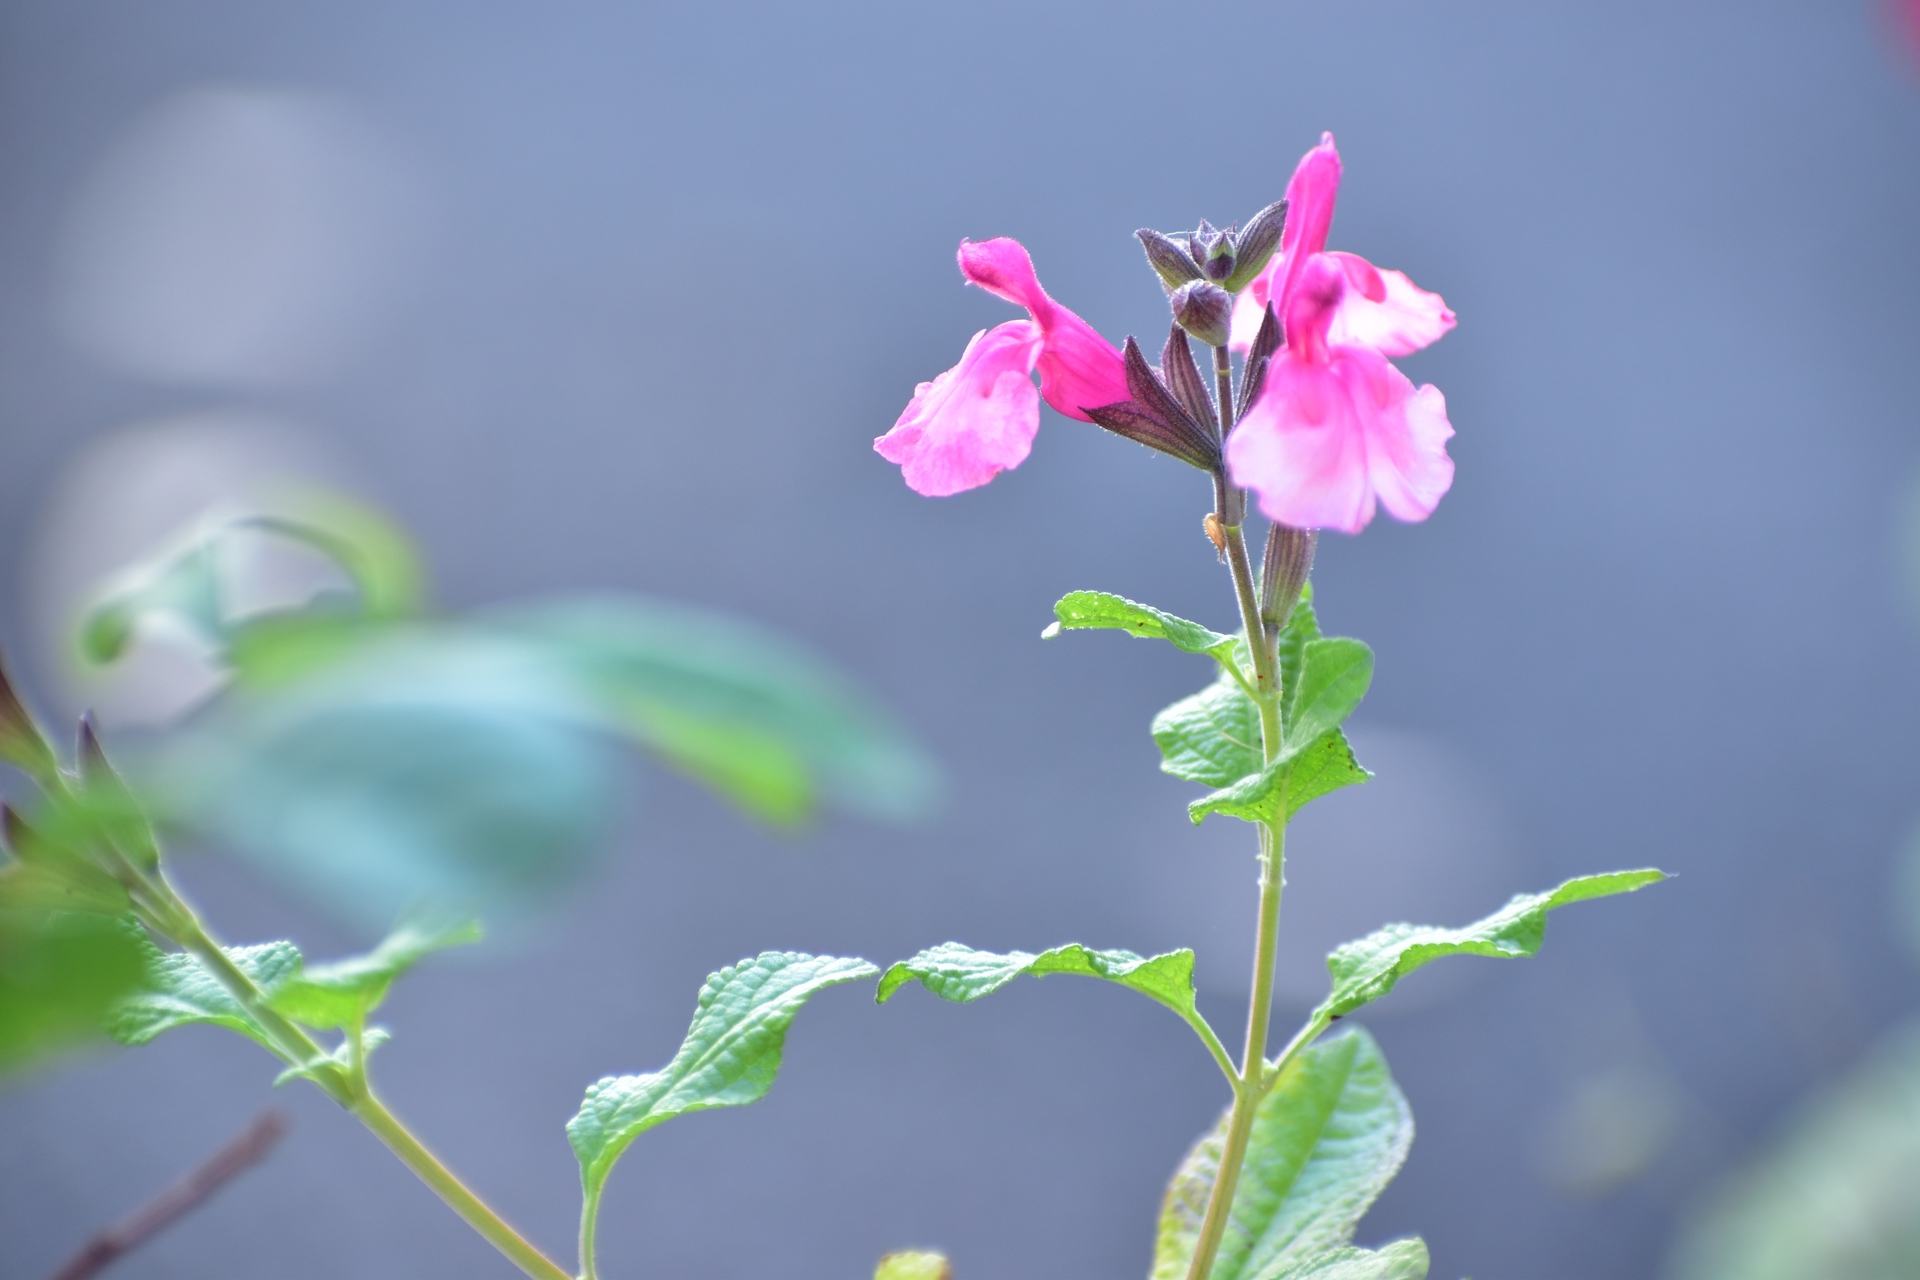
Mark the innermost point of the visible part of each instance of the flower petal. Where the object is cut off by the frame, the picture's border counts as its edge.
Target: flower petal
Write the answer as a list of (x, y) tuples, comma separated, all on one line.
[(1400, 321), (1079, 369), (1326, 441), (973, 421)]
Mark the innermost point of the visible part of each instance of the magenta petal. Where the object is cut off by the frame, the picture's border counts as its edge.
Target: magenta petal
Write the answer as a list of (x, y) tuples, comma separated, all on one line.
[(1327, 441), (1079, 369), (1398, 323), (973, 421), (1003, 267)]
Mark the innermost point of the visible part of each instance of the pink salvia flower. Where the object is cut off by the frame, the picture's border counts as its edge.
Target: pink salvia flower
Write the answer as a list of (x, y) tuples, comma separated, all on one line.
[(979, 418), (1336, 428), (1382, 309)]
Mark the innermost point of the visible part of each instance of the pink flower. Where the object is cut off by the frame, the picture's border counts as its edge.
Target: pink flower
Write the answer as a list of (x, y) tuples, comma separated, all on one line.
[(1382, 309), (1336, 427), (979, 418)]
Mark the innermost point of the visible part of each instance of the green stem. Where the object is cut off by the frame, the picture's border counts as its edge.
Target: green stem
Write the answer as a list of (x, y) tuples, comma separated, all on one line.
[(373, 1113), (589, 1224), (1219, 1051), (1251, 1082), (292, 1042)]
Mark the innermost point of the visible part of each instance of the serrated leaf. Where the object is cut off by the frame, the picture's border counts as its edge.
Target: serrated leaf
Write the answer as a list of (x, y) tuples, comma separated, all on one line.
[(1211, 737), (176, 989), (1367, 968), (1323, 766), (1401, 1260), (729, 1057), (1326, 1140), (1091, 610), (1303, 627), (1332, 676), (343, 992), (958, 973)]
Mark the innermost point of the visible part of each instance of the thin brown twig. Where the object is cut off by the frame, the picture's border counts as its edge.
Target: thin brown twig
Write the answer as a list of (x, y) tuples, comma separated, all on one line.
[(192, 1190)]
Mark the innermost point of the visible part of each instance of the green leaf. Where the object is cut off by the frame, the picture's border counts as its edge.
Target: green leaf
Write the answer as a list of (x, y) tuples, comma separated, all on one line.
[(1401, 1260), (1211, 737), (1333, 676), (339, 1062), (342, 993), (1836, 1195), (914, 1264), (1326, 1140), (1367, 968), (961, 974), (1081, 610), (59, 973), (1325, 765), (176, 989), (747, 712), (729, 1058), (1214, 736)]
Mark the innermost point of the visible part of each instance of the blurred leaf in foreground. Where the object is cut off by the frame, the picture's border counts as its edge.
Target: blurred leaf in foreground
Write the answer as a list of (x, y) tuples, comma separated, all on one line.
[(1837, 1198), (59, 972)]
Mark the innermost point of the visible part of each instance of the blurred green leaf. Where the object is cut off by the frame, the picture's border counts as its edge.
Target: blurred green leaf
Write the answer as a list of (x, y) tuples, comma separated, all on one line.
[(343, 992), (437, 768), (750, 713), (1326, 1140), (958, 973), (729, 1058), (1367, 968), (914, 1264), (1086, 610), (176, 990), (1838, 1195), (59, 973)]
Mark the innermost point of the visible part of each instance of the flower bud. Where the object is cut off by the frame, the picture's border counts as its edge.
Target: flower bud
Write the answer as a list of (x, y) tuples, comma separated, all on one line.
[(1256, 244), (1213, 250), (1204, 310), (1284, 572), (1167, 258), (21, 742)]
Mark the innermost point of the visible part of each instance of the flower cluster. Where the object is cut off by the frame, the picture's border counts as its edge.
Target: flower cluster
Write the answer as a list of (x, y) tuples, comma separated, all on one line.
[(1331, 429)]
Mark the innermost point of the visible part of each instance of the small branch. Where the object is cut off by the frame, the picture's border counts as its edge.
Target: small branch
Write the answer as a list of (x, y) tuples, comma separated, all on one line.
[(192, 1190)]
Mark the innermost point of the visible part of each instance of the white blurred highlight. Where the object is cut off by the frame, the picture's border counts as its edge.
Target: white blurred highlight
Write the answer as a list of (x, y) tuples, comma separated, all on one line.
[(131, 495), (239, 237)]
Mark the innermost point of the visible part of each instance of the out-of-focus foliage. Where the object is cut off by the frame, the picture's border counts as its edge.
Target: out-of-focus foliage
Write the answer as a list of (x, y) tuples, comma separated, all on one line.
[(1837, 1198), (59, 973), (914, 1264), (379, 758)]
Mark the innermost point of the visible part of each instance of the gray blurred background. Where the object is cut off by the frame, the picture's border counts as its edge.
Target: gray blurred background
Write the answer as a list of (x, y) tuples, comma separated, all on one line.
[(618, 295)]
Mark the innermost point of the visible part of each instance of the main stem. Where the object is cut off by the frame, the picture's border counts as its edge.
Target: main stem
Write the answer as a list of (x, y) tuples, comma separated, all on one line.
[(1251, 1085)]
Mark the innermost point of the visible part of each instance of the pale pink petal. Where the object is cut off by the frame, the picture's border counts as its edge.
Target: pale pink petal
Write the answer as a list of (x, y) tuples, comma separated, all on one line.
[(1407, 458), (1250, 307), (1327, 439), (1079, 369), (1400, 321), (1303, 450), (973, 421)]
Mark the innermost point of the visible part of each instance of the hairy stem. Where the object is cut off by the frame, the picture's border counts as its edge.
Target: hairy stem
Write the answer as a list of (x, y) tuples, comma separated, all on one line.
[(1250, 1086), (371, 1112)]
